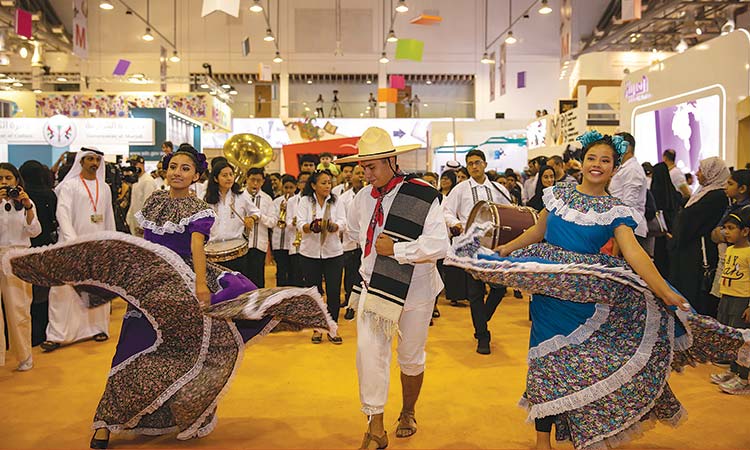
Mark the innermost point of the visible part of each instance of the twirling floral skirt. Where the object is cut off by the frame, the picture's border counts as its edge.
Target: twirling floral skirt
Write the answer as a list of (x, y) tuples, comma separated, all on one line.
[(602, 345), (173, 360)]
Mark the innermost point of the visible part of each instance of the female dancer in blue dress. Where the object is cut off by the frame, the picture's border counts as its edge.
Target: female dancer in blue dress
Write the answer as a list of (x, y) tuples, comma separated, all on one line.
[(601, 345)]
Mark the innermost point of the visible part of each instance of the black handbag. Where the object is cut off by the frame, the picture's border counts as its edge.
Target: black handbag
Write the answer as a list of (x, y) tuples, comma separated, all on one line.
[(709, 273)]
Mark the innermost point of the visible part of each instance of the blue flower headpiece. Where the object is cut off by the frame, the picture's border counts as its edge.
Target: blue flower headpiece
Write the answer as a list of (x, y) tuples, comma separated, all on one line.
[(201, 165), (616, 142)]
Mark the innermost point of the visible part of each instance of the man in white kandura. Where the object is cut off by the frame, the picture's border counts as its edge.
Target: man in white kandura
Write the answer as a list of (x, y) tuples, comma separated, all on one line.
[(399, 224), (84, 206), (140, 193)]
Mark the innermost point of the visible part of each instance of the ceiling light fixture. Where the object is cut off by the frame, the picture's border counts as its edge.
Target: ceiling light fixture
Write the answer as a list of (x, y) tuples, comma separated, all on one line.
[(148, 37), (175, 58), (204, 85), (681, 46), (225, 86), (545, 9), (23, 52), (250, 81), (383, 59), (37, 91), (428, 82), (510, 39), (698, 31), (36, 57), (61, 79), (486, 59), (233, 92), (257, 7), (269, 36), (309, 82), (4, 59), (392, 37), (106, 5), (368, 81), (728, 27), (402, 6), (18, 84), (278, 59)]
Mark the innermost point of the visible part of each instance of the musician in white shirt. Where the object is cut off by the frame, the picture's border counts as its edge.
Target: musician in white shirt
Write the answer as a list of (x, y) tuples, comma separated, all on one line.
[(352, 250), (297, 277), (345, 179), (321, 217), (234, 212), (457, 207), (19, 223), (282, 235), (257, 235)]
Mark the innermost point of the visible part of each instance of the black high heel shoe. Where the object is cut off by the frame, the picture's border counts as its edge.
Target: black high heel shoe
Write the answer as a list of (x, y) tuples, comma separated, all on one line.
[(99, 443)]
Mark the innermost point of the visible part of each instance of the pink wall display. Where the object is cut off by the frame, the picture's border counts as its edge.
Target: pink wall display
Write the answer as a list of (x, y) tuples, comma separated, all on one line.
[(196, 106)]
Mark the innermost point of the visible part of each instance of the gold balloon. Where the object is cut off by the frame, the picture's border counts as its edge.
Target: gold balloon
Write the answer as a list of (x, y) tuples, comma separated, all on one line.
[(246, 151)]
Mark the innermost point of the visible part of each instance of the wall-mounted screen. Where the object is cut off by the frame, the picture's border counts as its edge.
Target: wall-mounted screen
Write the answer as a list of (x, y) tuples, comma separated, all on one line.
[(691, 128)]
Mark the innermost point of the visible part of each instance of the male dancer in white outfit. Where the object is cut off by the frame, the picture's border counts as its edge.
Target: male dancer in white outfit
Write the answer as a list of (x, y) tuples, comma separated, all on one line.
[(84, 206), (400, 278)]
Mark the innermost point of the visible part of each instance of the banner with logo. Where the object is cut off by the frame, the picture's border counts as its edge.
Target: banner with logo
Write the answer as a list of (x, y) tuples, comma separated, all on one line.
[(80, 28), (61, 131)]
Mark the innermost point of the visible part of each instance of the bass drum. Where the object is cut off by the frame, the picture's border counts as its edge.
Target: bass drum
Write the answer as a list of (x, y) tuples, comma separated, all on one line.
[(508, 222), (218, 252)]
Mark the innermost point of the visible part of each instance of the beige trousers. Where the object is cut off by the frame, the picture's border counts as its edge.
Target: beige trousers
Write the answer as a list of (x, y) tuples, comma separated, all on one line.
[(16, 297)]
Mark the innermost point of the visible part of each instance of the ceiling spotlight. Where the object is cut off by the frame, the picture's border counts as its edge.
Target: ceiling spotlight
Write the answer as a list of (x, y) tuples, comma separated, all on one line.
[(486, 59), (698, 31), (106, 5), (257, 7), (309, 81), (148, 37), (368, 81), (18, 84), (204, 85), (681, 46), (428, 82), (225, 86), (23, 52), (383, 59), (392, 37), (269, 36), (728, 27), (545, 9), (510, 39), (233, 92), (402, 6), (277, 59), (61, 79), (37, 91), (250, 81), (175, 58)]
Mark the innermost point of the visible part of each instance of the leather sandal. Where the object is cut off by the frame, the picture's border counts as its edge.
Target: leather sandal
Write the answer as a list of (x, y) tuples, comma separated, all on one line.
[(49, 346), (101, 337), (410, 428), (380, 441)]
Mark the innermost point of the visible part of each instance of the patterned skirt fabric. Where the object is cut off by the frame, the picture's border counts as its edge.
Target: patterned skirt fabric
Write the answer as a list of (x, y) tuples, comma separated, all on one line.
[(609, 374), (173, 384)]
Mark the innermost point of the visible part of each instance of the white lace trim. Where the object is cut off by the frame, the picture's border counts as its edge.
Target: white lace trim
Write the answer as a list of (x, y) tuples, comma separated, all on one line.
[(120, 429), (560, 208), (255, 310), (576, 337), (171, 227)]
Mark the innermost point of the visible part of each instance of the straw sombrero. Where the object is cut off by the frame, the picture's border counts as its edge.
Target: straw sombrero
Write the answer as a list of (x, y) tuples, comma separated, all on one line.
[(375, 143)]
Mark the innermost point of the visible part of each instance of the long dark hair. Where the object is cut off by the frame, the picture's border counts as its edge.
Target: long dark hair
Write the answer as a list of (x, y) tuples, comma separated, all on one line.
[(742, 177), (308, 190), (12, 169), (451, 175), (36, 175), (212, 190), (539, 186)]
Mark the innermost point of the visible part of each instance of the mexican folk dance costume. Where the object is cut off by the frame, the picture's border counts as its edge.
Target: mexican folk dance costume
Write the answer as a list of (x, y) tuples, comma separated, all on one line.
[(173, 361), (602, 345)]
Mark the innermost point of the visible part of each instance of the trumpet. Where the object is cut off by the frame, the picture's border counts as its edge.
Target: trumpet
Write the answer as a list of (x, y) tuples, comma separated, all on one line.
[(281, 223), (297, 236)]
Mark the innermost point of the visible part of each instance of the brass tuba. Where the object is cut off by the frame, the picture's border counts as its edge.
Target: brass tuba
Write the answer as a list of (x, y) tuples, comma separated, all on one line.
[(245, 151)]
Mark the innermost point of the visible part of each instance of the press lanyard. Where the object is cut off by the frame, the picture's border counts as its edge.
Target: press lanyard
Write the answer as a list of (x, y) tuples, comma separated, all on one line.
[(88, 191)]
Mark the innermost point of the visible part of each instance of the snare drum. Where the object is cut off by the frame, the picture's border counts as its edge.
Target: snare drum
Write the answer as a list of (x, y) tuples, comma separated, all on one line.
[(508, 222), (226, 250)]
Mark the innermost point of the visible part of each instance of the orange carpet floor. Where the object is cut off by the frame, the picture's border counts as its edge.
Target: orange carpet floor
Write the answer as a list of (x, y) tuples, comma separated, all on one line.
[(290, 393)]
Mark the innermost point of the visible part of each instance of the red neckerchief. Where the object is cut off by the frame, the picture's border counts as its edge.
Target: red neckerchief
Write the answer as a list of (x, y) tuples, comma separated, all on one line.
[(378, 216)]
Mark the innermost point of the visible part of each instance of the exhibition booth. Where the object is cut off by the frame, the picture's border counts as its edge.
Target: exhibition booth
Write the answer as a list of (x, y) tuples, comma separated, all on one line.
[(698, 113)]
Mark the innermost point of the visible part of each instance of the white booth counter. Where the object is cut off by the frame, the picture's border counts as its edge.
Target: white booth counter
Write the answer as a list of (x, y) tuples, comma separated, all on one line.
[(688, 102)]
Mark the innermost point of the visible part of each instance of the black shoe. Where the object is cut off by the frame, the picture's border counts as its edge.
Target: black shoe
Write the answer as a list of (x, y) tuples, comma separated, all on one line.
[(517, 293), (435, 313), (101, 337), (335, 339), (454, 302), (99, 443), (483, 346), (349, 315), (49, 346)]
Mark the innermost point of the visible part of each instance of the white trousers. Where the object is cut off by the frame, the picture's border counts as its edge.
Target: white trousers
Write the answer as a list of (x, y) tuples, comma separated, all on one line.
[(69, 318), (374, 354), (16, 297)]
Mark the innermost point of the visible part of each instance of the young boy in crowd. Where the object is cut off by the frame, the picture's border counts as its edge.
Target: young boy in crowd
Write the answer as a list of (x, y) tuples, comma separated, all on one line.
[(734, 307), (326, 163)]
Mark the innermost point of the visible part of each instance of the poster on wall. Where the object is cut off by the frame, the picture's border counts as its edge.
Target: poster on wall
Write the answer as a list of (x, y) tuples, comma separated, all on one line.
[(502, 67), (691, 128), (492, 76)]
